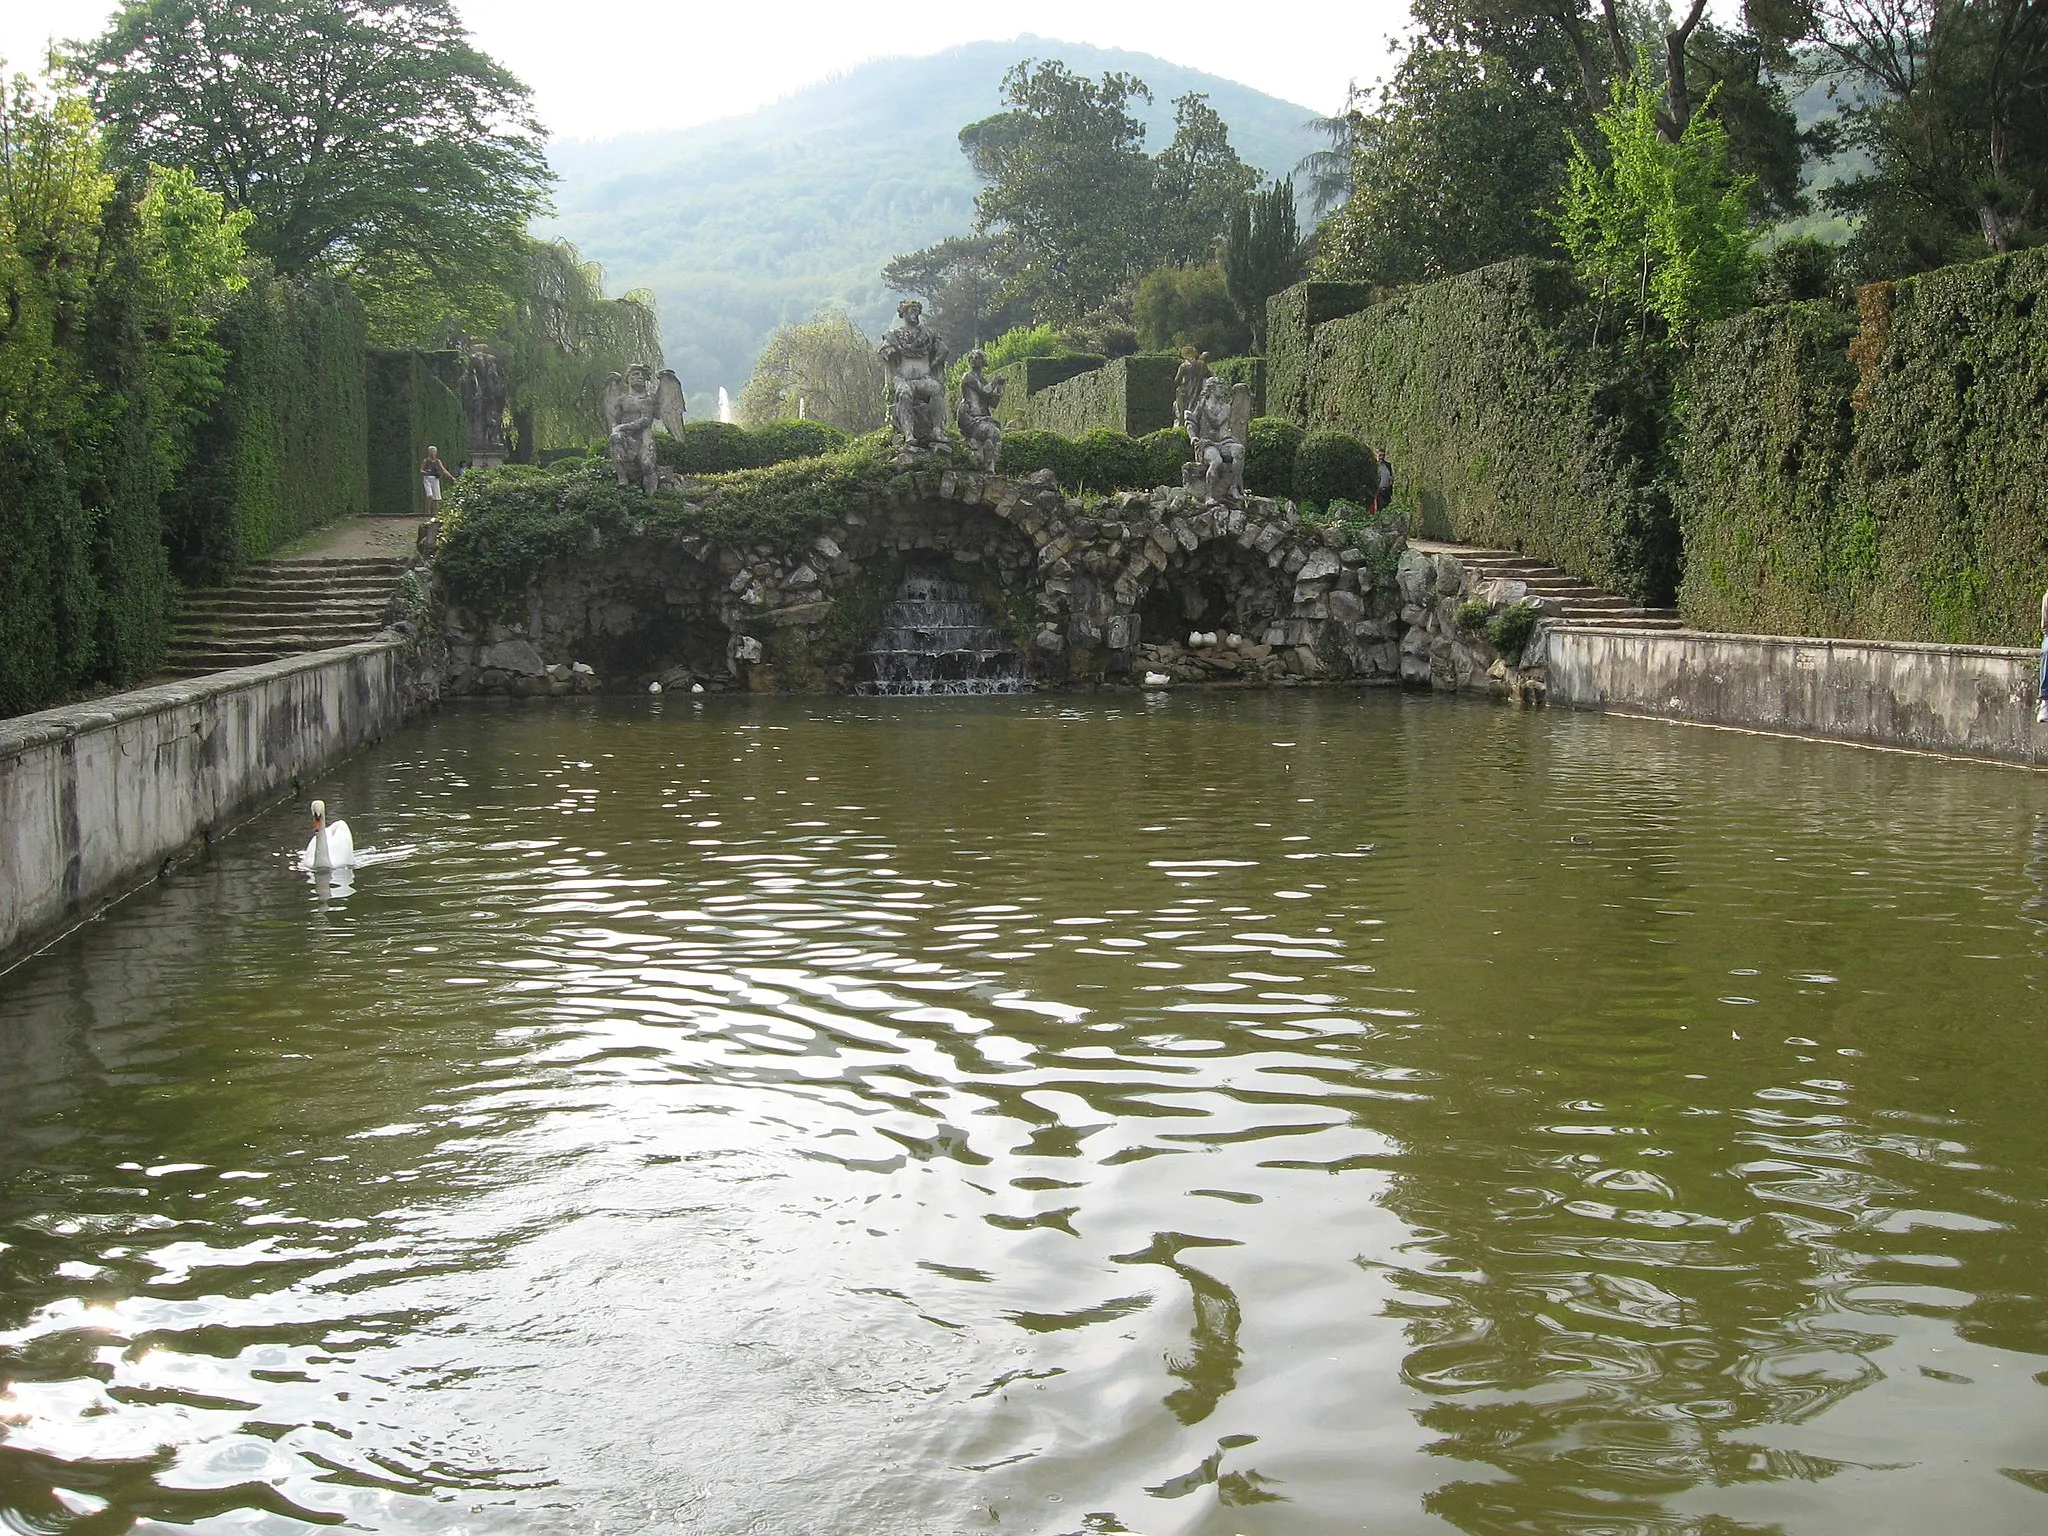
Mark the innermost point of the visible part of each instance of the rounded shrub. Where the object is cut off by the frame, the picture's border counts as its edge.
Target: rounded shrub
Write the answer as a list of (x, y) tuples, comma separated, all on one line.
[(1334, 466), (779, 442), (707, 448), (1107, 460), (1029, 451), (1271, 446), (1166, 451)]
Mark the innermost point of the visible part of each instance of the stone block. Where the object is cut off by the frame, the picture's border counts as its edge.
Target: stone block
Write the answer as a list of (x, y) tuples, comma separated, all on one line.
[(517, 657)]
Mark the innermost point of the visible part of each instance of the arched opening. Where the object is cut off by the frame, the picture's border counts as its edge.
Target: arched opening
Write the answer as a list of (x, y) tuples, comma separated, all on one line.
[(1220, 588)]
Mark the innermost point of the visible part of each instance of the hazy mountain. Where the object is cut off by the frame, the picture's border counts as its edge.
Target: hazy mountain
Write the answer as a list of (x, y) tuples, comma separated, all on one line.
[(743, 224)]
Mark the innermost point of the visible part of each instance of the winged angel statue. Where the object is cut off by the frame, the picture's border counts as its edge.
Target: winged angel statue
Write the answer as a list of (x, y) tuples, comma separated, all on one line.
[(1217, 428), (632, 405)]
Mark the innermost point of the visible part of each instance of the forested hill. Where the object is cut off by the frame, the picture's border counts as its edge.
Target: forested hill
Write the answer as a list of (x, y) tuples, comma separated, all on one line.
[(741, 225)]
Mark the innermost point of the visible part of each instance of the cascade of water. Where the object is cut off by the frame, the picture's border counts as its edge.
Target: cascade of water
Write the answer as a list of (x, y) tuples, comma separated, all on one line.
[(724, 405), (935, 638)]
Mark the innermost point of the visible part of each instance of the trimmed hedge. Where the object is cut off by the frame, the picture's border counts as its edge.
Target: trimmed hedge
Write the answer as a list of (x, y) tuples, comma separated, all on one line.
[(1098, 461), (1506, 424), (719, 447), (1128, 394), (1034, 375), (282, 449), (1271, 444), (1882, 476), (414, 400), (1243, 370), (1334, 466), (1292, 316)]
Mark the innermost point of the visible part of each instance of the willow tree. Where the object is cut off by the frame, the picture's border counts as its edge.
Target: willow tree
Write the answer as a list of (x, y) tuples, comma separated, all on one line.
[(560, 338)]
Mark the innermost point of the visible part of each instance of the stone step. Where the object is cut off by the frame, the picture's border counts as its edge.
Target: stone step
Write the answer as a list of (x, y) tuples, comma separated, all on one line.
[(286, 587), (236, 605), (271, 636)]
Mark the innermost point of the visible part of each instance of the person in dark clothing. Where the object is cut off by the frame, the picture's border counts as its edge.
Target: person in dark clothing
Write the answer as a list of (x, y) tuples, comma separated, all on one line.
[(1384, 497), (432, 473)]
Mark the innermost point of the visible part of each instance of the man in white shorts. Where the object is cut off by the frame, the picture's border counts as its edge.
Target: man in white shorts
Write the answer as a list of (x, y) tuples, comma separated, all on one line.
[(432, 473)]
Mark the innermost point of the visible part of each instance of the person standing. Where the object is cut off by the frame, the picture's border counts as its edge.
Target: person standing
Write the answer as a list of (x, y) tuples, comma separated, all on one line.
[(1384, 497), (2041, 714), (432, 473)]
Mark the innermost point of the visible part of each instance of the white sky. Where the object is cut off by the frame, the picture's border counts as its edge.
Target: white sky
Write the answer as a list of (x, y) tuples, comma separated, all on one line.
[(602, 71)]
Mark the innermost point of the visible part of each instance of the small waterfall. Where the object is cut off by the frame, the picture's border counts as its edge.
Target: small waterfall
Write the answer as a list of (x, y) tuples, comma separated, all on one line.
[(935, 638)]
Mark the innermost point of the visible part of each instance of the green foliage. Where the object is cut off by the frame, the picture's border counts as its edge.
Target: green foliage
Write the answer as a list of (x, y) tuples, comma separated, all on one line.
[(1018, 344), (1179, 307), (1068, 183), (1507, 423), (1798, 270), (1026, 451), (1658, 228), (1509, 630), (559, 340), (1126, 394), (1196, 181), (506, 529), (283, 448), (1262, 253), (48, 593), (824, 370), (720, 447), (963, 281), (409, 404), (1105, 461), (1472, 616), (365, 137), (1898, 500), (1334, 466), (1166, 451), (1271, 446), (1455, 165)]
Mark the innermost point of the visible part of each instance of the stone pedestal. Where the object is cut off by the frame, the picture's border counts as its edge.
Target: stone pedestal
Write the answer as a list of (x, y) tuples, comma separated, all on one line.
[(483, 459)]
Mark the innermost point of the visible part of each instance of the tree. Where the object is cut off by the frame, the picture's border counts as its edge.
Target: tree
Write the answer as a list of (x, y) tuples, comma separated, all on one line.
[(1189, 307), (1262, 253), (825, 369), (365, 136), (1196, 181), (1456, 167), (1658, 227), (1326, 173), (1068, 185), (965, 283), (559, 341)]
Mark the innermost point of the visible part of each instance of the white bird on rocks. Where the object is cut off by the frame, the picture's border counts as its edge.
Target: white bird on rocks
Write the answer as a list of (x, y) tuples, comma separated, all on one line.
[(333, 845)]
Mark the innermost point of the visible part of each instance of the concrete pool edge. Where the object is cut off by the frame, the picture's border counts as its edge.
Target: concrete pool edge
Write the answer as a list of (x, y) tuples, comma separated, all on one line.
[(98, 798), (1955, 701)]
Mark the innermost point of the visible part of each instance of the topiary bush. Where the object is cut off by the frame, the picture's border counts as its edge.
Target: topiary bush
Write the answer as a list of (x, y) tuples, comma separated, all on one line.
[(1166, 454), (778, 442), (706, 448), (1271, 444), (1109, 461), (1334, 466), (1028, 451)]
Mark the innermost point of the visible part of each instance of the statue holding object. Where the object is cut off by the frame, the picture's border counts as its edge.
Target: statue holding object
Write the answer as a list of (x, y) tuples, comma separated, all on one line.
[(915, 357), (632, 405), (979, 397), (1217, 428), (1188, 380), (483, 403)]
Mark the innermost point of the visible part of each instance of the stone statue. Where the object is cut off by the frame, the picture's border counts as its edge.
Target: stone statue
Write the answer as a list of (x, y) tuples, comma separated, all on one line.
[(632, 405), (1217, 428), (483, 402), (915, 357), (1187, 383), (979, 397)]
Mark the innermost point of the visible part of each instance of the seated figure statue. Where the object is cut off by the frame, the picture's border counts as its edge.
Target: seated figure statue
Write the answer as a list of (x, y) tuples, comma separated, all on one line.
[(915, 356), (1217, 426), (979, 397)]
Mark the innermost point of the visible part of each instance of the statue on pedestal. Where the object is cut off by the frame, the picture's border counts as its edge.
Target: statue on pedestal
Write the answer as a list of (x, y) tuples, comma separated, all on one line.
[(915, 357), (979, 397), (632, 405), (483, 402), (1217, 427), (1188, 380)]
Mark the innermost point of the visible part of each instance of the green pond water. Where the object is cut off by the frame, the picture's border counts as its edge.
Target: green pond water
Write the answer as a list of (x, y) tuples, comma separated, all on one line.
[(1292, 1113)]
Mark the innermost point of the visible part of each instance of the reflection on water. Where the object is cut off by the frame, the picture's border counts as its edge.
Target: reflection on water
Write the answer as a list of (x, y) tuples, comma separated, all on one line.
[(1257, 1114)]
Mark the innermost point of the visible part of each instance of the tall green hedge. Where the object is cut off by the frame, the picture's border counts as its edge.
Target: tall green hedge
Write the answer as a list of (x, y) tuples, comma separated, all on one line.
[(282, 449), (1034, 375), (1292, 316), (1508, 420), (411, 402), (718, 447), (1883, 475), (1133, 395)]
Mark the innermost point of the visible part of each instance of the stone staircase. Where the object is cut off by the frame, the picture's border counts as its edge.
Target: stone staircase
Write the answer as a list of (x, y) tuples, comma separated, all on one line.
[(1581, 604), (281, 608)]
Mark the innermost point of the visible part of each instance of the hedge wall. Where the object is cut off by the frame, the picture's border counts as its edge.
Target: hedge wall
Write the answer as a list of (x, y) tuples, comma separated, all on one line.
[(718, 447), (413, 400), (282, 450), (1133, 395), (1034, 375), (1291, 318), (1505, 425), (1880, 476)]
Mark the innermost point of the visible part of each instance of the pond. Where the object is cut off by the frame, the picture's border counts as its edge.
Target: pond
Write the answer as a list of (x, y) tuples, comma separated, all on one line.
[(1289, 1112)]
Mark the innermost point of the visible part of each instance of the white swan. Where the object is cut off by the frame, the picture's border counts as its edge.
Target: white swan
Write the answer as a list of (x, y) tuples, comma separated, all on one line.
[(333, 846)]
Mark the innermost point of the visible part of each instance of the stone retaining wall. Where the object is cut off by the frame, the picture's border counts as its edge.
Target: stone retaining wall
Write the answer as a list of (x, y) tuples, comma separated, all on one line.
[(96, 799), (1975, 701)]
